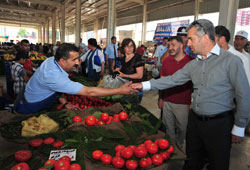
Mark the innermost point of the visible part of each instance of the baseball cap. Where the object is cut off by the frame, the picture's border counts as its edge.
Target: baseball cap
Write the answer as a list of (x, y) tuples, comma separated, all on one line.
[(182, 31), (242, 33)]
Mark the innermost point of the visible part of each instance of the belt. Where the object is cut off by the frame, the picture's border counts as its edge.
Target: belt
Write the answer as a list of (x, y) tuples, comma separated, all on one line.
[(212, 117)]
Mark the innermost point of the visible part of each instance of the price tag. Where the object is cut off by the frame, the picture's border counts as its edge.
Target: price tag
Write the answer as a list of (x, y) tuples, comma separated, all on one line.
[(57, 154)]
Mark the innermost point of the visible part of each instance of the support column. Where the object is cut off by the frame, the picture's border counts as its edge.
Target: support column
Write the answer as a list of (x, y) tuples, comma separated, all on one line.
[(39, 34), (47, 31), (54, 28), (96, 29), (78, 23), (43, 41), (227, 15), (196, 9), (111, 20), (63, 23), (67, 34), (144, 22)]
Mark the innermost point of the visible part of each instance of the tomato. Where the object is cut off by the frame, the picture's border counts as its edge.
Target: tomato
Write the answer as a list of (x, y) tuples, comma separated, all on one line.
[(132, 147), (82, 106), (149, 160), (140, 152), (75, 167), (163, 144), (157, 159), (58, 144), (165, 155), (127, 153), (118, 162), (100, 122), (141, 145), (106, 159), (123, 116), (90, 120), (147, 142), (118, 154), (104, 117), (50, 162), (42, 169), (116, 119), (21, 166), (23, 155), (131, 164), (116, 116), (36, 143), (97, 154), (170, 149), (77, 119), (119, 147), (49, 140), (152, 148), (66, 158), (108, 122), (62, 165), (156, 141), (143, 163)]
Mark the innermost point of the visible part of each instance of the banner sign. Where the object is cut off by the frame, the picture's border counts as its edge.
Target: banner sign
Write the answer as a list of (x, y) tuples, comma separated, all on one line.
[(168, 29)]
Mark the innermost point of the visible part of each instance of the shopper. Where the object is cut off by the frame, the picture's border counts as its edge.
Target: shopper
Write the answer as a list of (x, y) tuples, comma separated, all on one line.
[(51, 79), (217, 76), (111, 53), (94, 61), (18, 74), (175, 102), (161, 49), (116, 65)]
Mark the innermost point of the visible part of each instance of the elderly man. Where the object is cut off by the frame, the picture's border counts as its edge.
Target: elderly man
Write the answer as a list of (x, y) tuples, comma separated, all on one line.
[(240, 40), (218, 77)]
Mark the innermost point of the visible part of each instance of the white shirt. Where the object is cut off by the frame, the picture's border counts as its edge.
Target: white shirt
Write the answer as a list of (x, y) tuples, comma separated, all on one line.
[(160, 50), (245, 57)]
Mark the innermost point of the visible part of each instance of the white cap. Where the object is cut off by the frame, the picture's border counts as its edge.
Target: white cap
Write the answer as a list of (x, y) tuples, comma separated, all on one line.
[(242, 33)]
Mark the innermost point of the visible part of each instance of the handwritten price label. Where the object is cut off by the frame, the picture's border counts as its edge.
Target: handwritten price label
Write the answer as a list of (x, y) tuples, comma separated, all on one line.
[(57, 154)]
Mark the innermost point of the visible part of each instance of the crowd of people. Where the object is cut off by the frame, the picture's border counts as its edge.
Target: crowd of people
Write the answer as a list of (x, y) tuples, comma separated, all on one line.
[(204, 85)]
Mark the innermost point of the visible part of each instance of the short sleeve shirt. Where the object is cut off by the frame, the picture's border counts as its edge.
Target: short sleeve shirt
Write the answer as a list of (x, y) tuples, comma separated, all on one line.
[(48, 79)]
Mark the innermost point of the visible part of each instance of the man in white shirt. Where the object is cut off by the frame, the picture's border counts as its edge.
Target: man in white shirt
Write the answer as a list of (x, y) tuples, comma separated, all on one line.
[(222, 37), (161, 49), (240, 40)]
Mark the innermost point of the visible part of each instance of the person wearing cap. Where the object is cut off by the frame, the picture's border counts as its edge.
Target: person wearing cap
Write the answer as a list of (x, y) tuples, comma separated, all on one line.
[(182, 32), (18, 73), (94, 61), (240, 40), (111, 53), (160, 51), (51, 81), (218, 77), (222, 38)]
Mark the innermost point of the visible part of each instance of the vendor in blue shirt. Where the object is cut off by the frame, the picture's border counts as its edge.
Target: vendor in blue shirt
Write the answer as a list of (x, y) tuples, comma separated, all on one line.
[(51, 79)]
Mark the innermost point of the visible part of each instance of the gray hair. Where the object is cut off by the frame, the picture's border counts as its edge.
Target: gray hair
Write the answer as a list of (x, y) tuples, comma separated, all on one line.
[(203, 26)]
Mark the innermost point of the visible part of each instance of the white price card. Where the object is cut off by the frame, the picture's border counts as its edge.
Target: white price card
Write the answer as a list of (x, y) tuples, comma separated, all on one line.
[(57, 154)]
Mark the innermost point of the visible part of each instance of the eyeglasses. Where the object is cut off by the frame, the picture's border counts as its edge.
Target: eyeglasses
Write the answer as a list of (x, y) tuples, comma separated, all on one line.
[(199, 24)]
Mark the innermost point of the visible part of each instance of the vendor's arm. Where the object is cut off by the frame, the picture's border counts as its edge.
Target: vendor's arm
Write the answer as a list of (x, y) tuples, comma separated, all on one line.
[(113, 67), (96, 91)]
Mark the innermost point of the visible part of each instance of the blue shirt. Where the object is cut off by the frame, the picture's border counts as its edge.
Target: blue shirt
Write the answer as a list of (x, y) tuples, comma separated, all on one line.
[(110, 51), (159, 53), (48, 79)]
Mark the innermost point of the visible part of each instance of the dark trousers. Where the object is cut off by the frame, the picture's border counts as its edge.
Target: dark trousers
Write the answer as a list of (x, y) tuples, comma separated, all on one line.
[(208, 140)]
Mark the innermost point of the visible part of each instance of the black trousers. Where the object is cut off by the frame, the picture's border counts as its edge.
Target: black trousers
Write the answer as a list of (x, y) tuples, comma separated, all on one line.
[(208, 140)]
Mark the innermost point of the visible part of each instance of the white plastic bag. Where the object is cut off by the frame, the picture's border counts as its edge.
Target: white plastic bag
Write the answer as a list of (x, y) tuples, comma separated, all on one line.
[(109, 82)]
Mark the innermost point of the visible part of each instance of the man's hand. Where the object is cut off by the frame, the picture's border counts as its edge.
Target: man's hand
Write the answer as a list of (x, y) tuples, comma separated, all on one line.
[(236, 139), (160, 104), (127, 89), (137, 86), (71, 107)]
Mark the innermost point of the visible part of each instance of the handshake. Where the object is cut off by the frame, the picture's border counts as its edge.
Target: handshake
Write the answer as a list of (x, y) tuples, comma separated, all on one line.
[(130, 88)]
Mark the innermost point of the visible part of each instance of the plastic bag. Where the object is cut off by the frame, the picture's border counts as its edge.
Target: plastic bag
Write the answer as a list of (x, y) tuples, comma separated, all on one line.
[(155, 73), (110, 82)]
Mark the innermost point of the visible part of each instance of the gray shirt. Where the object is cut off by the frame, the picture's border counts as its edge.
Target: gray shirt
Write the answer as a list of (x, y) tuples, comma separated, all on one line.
[(216, 81)]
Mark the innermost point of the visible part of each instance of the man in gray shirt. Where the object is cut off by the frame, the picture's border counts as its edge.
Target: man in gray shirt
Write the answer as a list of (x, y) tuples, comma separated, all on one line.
[(218, 76)]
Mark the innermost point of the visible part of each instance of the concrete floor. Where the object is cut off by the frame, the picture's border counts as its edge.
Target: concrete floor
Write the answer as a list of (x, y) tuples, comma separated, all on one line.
[(240, 153)]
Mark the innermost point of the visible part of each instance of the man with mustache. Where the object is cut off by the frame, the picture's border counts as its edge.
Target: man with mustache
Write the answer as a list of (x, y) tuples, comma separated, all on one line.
[(51, 79)]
